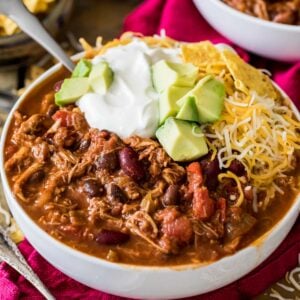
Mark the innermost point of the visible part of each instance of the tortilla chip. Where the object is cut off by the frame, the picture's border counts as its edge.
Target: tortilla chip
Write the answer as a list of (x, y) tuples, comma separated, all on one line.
[(201, 54), (247, 78), (38, 6)]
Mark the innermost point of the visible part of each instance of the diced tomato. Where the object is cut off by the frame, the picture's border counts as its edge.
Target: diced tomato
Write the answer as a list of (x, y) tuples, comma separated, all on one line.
[(174, 225), (64, 116), (203, 205), (222, 207), (195, 176), (180, 229)]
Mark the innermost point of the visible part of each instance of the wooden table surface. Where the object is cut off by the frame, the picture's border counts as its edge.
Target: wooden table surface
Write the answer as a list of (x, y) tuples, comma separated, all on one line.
[(92, 18)]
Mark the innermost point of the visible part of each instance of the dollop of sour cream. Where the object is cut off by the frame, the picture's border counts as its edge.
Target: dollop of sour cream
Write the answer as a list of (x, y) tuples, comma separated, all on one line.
[(130, 106)]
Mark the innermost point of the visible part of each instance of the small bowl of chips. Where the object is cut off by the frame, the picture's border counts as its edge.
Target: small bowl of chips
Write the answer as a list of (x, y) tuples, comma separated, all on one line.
[(16, 48), (264, 37)]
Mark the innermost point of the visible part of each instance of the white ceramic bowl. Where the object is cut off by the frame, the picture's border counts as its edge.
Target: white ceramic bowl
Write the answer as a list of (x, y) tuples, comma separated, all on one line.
[(269, 39), (136, 281)]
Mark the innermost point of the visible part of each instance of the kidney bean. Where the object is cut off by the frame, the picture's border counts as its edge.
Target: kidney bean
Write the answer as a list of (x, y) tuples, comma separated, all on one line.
[(211, 170), (210, 167), (92, 188), (57, 85), (115, 193), (130, 164), (108, 161), (37, 176), (111, 237), (237, 168), (171, 196), (84, 144)]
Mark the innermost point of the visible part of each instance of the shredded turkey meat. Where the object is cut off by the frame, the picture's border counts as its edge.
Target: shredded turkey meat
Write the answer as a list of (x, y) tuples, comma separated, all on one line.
[(279, 11)]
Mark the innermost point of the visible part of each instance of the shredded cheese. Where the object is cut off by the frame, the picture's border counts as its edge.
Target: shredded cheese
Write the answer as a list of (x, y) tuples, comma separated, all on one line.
[(230, 175), (261, 133)]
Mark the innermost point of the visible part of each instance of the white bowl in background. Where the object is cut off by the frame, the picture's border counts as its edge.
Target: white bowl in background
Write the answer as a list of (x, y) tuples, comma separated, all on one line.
[(265, 38), (138, 281)]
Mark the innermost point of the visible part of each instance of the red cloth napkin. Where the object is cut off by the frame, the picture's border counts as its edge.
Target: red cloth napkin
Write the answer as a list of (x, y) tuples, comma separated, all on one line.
[(183, 22)]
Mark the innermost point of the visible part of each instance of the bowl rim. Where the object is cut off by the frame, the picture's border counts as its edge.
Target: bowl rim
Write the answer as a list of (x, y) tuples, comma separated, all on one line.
[(258, 21), (256, 244)]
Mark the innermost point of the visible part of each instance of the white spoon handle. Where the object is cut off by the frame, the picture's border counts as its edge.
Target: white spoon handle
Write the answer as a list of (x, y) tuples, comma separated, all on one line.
[(16, 10)]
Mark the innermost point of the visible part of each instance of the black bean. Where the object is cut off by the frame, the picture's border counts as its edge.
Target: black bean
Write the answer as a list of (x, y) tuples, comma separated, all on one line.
[(37, 176), (92, 188), (171, 196), (52, 110), (130, 164), (108, 161), (115, 193), (71, 141), (111, 237), (84, 144), (105, 134), (57, 85), (237, 168)]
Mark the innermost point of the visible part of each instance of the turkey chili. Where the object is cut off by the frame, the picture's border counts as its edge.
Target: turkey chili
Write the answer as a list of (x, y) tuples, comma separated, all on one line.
[(133, 199)]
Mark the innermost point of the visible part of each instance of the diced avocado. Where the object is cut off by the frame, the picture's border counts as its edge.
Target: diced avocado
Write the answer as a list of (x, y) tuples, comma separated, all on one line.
[(209, 94), (165, 74), (101, 77), (188, 110), (181, 140), (167, 101), (71, 90), (82, 69)]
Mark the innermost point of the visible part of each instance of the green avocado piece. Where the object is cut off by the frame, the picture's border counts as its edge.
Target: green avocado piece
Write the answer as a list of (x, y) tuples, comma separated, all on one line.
[(165, 74), (101, 77), (71, 90), (209, 94), (188, 110), (82, 69), (167, 101), (182, 140)]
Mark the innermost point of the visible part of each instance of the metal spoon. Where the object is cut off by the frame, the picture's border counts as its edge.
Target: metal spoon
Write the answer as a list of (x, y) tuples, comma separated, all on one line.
[(16, 10), (10, 253)]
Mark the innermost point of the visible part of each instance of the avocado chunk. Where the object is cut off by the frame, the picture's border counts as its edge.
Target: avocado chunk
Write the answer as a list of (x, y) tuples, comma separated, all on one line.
[(167, 101), (101, 77), (71, 90), (188, 110), (165, 74), (182, 140), (209, 94), (82, 69)]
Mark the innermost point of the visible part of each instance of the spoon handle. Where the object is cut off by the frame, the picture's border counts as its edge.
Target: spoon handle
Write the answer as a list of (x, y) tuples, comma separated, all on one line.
[(16, 10)]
